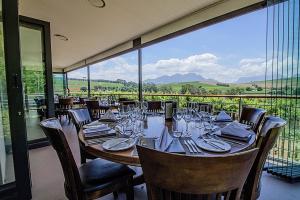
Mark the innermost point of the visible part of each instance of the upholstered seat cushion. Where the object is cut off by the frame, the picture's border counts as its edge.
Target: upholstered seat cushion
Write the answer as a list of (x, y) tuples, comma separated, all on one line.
[(99, 173)]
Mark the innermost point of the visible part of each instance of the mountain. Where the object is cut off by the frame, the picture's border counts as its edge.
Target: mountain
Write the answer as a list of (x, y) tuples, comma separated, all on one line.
[(179, 78), (250, 79)]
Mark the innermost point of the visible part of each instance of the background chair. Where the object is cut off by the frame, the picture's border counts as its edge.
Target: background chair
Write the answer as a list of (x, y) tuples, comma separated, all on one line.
[(267, 136), (81, 117), (173, 176), (63, 106), (95, 109), (91, 180), (252, 116), (154, 106)]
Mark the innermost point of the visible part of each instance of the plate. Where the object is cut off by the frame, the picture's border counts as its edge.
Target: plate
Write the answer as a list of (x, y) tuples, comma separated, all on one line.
[(213, 145), (118, 144)]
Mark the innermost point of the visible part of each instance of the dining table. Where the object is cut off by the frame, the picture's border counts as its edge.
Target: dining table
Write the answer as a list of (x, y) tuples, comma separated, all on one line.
[(153, 127)]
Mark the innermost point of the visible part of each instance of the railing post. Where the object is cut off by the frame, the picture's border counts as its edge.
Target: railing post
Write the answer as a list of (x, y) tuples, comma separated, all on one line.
[(240, 106)]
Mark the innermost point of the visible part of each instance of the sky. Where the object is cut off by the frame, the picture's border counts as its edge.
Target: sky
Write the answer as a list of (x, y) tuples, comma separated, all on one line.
[(225, 52)]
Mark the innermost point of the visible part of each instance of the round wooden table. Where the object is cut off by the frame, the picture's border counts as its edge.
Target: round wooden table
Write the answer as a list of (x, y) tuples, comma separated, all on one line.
[(153, 129)]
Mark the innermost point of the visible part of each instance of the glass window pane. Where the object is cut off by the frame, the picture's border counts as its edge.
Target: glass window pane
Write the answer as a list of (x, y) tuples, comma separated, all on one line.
[(224, 58), (58, 84), (33, 77), (117, 76), (6, 159), (77, 82)]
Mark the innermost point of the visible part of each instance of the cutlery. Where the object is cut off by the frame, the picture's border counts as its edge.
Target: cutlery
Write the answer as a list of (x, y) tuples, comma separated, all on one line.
[(212, 144), (118, 143), (193, 144), (188, 146), (228, 140)]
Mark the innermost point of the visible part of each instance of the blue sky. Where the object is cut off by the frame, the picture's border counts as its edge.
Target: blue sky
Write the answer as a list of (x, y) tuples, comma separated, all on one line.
[(225, 51)]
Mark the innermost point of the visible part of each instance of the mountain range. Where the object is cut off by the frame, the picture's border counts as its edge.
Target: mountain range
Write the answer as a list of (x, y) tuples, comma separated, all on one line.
[(180, 78)]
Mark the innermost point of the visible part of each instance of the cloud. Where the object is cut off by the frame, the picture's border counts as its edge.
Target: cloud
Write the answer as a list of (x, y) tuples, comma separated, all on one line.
[(207, 65)]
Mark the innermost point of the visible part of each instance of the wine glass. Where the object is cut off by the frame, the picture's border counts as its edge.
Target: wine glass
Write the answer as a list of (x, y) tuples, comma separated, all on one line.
[(187, 118), (177, 115), (163, 104)]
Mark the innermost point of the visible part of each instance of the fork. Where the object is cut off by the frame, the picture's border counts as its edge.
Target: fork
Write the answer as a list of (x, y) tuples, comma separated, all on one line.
[(193, 144), (189, 147)]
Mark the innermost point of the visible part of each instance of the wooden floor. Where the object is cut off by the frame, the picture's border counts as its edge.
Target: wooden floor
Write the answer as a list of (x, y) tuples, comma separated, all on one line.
[(47, 176)]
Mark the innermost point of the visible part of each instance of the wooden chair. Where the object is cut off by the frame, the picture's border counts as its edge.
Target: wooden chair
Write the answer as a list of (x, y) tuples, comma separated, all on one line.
[(63, 106), (95, 109), (206, 107), (174, 176), (267, 136), (125, 105), (81, 117), (91, 180), (154, 106), (252, 116)]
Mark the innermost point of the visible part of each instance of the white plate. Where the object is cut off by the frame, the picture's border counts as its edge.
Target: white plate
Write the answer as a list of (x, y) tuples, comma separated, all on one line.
[(224, 147), (118, 144)]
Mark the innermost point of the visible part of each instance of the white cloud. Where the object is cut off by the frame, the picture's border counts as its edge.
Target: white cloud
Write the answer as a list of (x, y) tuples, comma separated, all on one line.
[(207, 65)]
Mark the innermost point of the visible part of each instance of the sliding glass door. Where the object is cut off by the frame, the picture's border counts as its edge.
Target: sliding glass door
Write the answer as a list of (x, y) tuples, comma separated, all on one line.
[(33, 76), (6, 158)]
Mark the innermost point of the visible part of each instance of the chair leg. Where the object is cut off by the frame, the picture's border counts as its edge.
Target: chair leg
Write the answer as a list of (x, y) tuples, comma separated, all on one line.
[(129, 189), (115, 195)]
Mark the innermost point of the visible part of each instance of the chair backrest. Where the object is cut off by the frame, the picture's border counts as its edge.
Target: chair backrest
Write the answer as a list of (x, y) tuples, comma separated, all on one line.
[(92, 104), (94, 108), (252, 116), (56, 136), (154, 106), (169, 174), (267, 136), (206, 107), (121, 99), (66, 103), (80, 117)]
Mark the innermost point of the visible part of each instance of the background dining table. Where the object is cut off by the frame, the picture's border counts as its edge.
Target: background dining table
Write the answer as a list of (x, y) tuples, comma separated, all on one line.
[(153, 128)]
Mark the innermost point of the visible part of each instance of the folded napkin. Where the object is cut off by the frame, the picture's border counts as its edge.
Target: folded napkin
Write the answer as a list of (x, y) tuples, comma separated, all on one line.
[(223, 117), (109, 115), (175, 147), (236, 131), (100, 128), (165, 140)]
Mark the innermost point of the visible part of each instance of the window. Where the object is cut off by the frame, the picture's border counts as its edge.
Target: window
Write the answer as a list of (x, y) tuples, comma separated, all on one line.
[(78, 82), (118, 75), (58, 84), (225, 58)]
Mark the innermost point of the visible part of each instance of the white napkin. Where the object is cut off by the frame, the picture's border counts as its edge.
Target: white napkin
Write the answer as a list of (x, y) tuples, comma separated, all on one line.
[(109, 115), (165, 140), (223, 116), (99, 128), (236, 130)]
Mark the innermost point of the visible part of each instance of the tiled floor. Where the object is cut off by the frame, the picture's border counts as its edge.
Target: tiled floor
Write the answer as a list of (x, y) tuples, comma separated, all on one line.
[(47, 177)]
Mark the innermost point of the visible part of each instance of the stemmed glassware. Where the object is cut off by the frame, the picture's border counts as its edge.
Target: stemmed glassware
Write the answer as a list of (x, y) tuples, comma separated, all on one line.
[(177, 116), (187, 118)]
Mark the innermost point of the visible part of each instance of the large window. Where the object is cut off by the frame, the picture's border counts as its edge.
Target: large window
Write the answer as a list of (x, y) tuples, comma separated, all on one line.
[(225, 58), (118, 75), (58, 84), (78, 82)]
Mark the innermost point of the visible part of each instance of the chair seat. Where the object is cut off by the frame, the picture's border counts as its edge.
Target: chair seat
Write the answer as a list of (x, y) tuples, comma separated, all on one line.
[(100, 173)]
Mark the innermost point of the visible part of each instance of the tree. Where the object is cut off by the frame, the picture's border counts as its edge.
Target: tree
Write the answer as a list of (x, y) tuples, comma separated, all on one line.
[(83, 89), (259, 88), (248, 89)]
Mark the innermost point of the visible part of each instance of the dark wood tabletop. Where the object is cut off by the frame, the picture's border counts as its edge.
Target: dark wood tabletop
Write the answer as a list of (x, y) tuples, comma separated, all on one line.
[(153, 128)]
